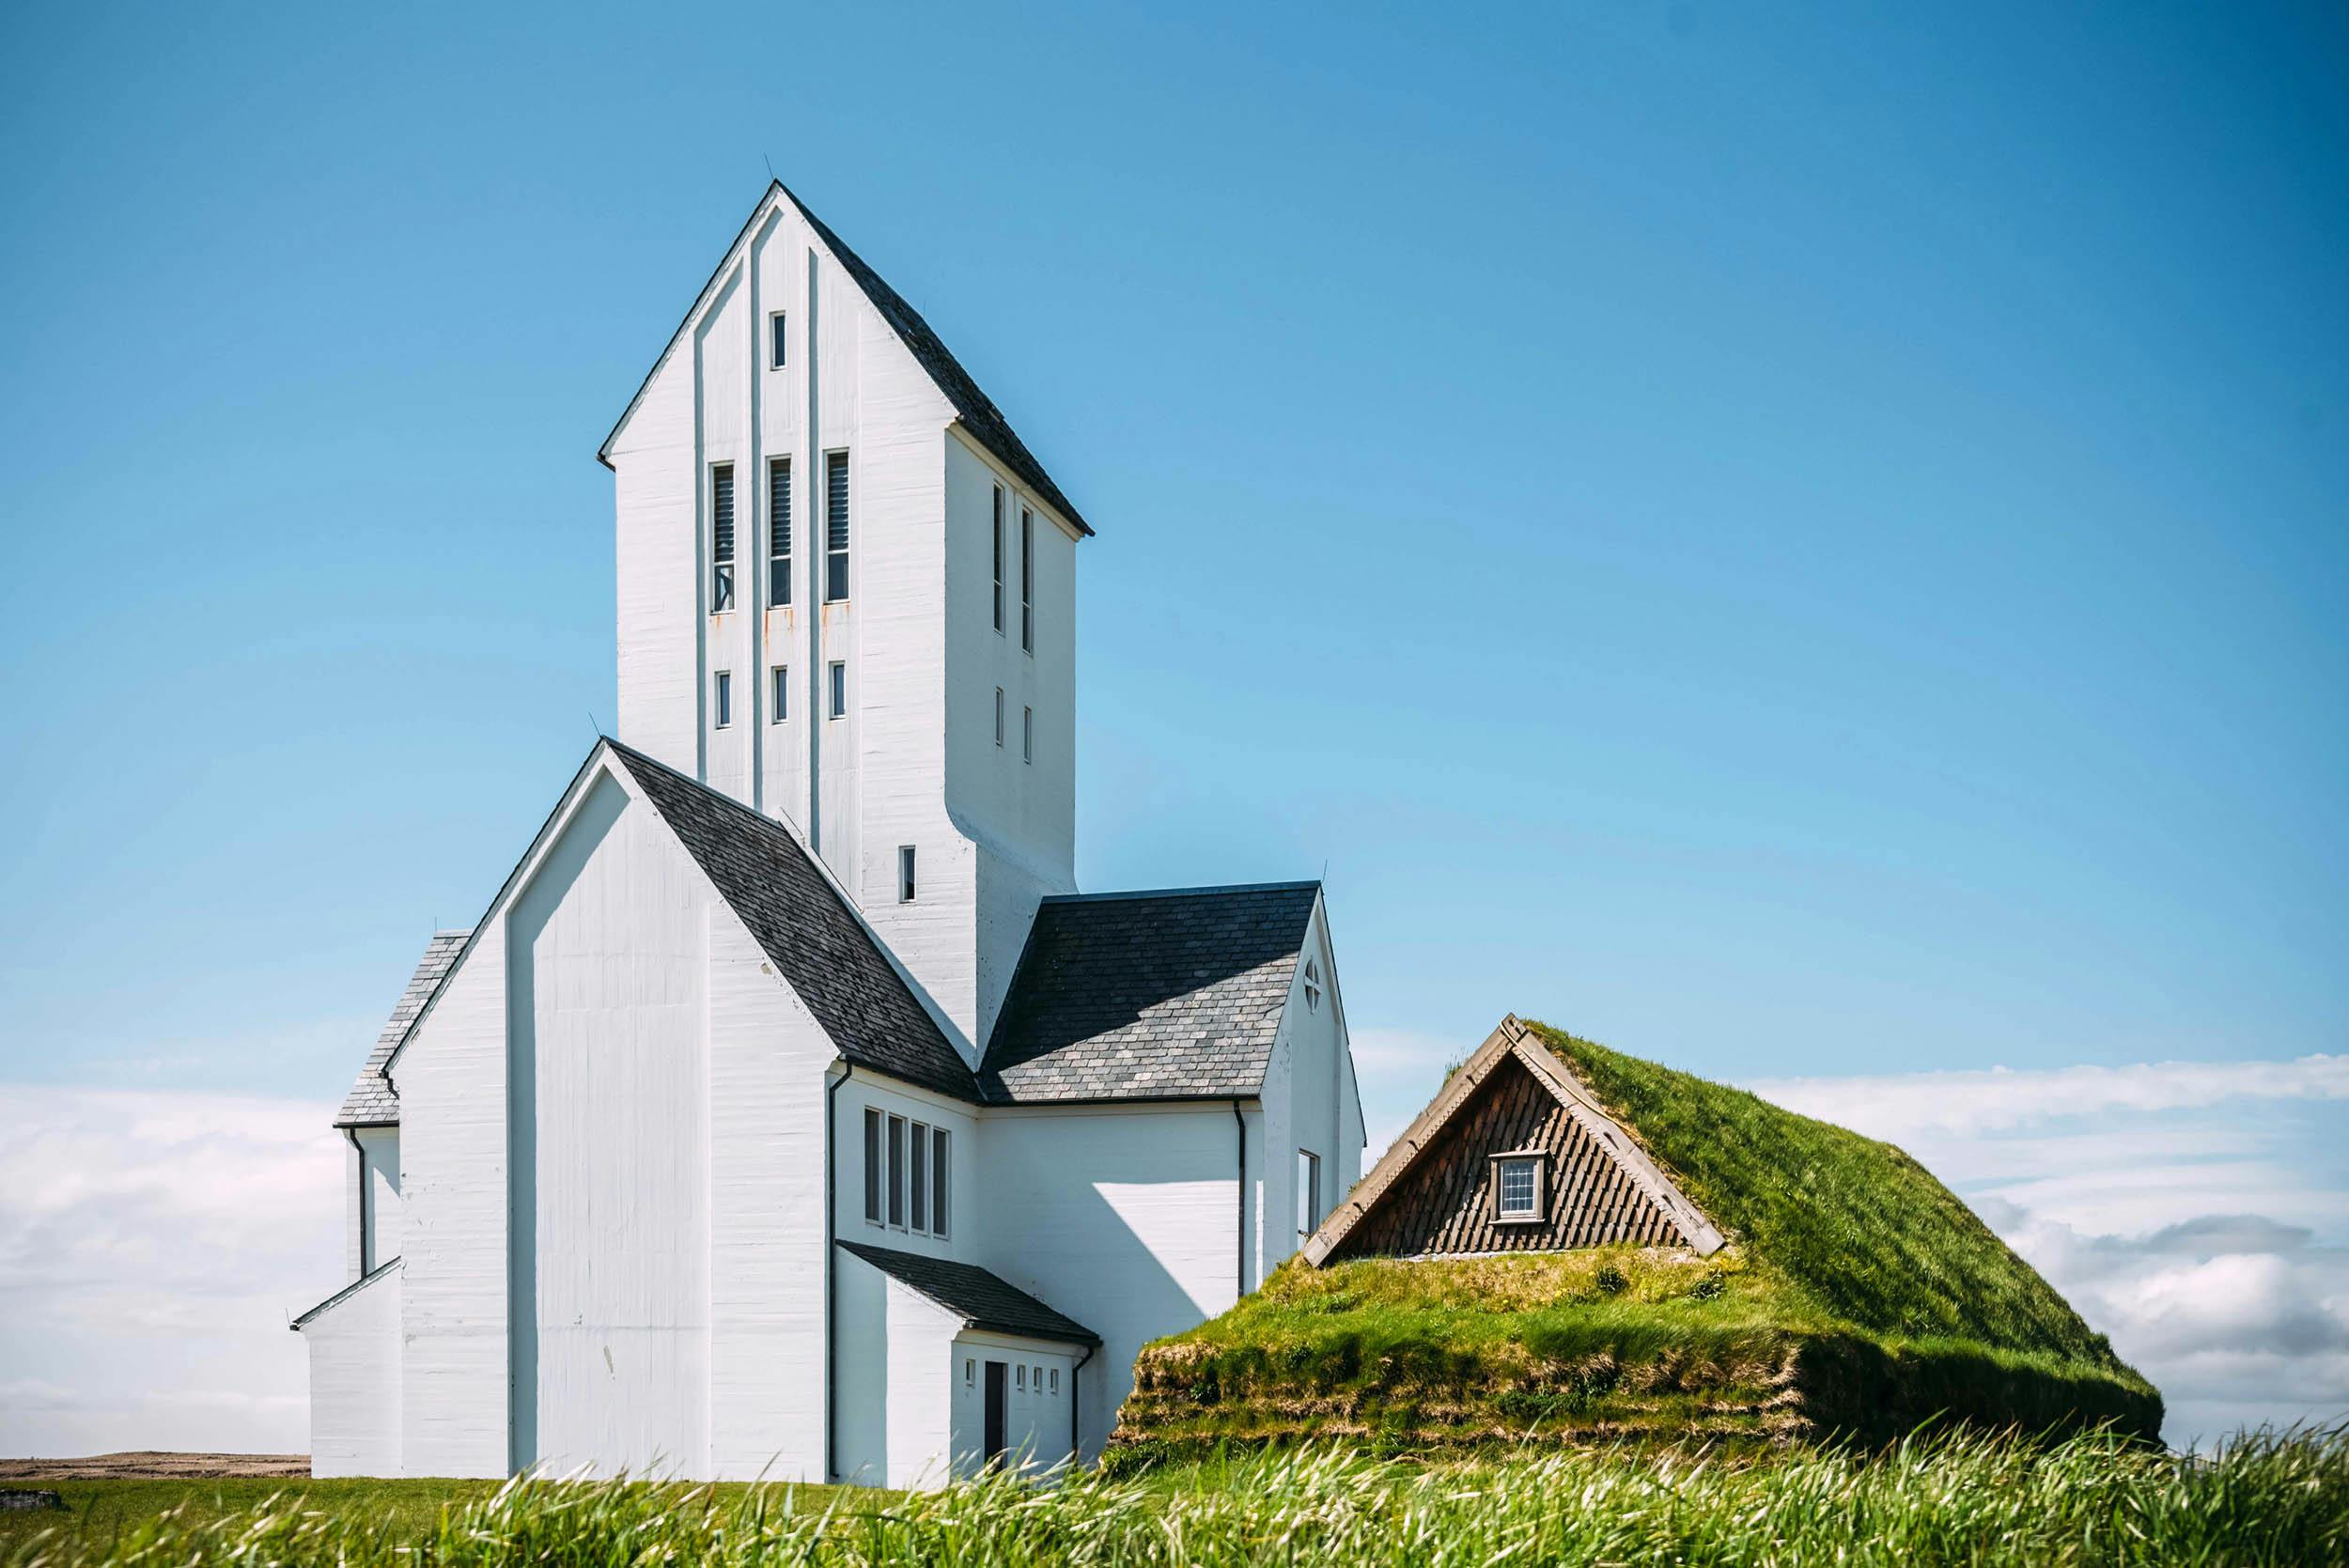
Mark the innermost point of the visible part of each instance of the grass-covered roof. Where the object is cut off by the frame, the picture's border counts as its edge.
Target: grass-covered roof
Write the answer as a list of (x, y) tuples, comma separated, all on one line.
[(1857, 1294)]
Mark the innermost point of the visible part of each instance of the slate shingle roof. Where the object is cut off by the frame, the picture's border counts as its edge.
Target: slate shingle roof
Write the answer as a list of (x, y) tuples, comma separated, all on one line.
[(804, 924), (976, 412), (981, 1300), (1170, 995), (372, 1102)]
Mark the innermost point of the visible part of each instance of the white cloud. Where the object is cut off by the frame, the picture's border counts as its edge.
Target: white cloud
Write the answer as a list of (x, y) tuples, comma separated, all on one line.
[(152, 1248), (1999, 1099)]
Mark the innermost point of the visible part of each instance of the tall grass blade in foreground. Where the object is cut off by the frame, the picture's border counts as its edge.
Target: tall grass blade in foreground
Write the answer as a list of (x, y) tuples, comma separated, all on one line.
[(1962, 1498)]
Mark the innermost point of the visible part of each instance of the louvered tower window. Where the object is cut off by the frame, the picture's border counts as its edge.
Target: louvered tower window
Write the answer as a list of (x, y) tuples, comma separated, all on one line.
[(778, 531), (998, 571), (1027, 580), (722, 537), (835, 526)]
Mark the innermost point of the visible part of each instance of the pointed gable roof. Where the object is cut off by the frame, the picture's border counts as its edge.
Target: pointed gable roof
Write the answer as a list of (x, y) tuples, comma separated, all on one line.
[(804, 923), (1636, 1175), (973, 409), (1139, 996)]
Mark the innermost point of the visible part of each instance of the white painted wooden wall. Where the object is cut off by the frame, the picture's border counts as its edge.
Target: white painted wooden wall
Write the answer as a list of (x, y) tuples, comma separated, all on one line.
[(355, 1382)]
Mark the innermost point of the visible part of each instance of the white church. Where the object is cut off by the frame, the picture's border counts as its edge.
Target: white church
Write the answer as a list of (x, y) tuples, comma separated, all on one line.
[(790, 1112)]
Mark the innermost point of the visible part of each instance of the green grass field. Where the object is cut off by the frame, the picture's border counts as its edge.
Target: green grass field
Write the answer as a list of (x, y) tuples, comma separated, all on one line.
[(1975, 1501), (1860, 1298)]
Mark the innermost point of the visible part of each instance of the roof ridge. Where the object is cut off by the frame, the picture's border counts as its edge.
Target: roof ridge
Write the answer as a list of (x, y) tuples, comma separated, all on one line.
[(1181, 892), (974, 411)]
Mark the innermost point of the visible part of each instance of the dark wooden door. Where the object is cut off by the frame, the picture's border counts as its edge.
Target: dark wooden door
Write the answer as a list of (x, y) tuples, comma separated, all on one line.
[(995, 1373)]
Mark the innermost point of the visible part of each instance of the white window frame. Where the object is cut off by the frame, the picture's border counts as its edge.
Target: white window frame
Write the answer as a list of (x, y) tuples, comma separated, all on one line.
[(1026, 582), (837, 689), (724, 583), (1308, 1194), (999, 560), (1537, 1210), (722, 699), (1313, 986), (778, 339), (779, 565), (905, 874), (778, 692), (847, 529)]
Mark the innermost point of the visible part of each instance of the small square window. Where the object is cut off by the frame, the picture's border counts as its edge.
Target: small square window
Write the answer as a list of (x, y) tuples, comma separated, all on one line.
[(905, 874), (838, 682), (778, 694), (778, 340), (722, 697), (1518, 1186)]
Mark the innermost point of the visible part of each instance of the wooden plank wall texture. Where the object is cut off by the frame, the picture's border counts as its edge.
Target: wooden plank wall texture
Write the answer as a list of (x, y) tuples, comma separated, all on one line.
[(1443, 1205)]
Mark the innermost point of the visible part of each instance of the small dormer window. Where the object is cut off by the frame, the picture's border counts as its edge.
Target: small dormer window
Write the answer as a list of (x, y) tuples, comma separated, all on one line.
[(1517, 1195), (1312, 987)]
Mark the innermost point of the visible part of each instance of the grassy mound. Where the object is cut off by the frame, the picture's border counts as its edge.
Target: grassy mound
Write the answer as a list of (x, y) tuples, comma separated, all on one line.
[(1858, 1296)]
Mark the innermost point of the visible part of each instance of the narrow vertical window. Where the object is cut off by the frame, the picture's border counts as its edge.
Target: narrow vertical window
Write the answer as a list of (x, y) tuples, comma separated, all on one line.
[(1312, 987), (1027, 580), (1308, 1193), (835, 526), (778, 340), (1056, 1379), (722, 697), (1019, 1378), (722, 537), (937, 1180), (778, 531), (1027, 734), (837, 674), (920, 1186), (999, 559), (897, 1170), (779, 697), (905, 874), (998, 716), (872, 1165)]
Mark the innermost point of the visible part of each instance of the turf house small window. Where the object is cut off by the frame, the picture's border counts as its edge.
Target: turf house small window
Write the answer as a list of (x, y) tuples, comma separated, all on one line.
[(1517, 1186)]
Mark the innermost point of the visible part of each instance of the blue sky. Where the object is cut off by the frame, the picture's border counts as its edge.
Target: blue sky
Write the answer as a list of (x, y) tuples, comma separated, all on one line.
[(1807, 544)]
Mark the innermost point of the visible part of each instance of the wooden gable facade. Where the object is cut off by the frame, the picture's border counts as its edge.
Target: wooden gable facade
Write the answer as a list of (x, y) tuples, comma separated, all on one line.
[(1581, 1180)]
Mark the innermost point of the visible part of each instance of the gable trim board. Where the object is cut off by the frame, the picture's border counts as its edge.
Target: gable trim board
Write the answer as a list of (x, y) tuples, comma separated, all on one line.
[(976, 414), (1513, 1042)]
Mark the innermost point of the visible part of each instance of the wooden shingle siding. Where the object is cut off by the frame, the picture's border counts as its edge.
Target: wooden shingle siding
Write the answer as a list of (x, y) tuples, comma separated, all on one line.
[(1444, 1204)]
